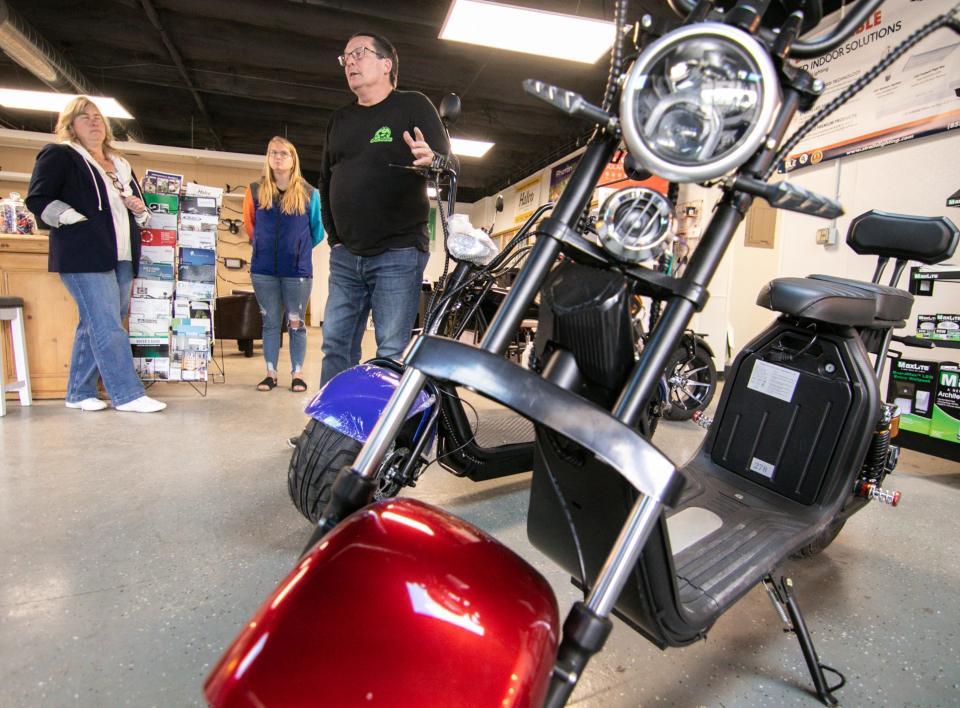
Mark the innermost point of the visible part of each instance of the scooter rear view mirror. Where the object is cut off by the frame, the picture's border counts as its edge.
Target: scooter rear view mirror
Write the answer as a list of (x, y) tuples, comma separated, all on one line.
[(450, 109)]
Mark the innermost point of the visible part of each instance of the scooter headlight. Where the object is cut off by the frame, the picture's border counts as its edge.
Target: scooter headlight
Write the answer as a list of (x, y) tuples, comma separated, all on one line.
[(636, 223), (698, 102)]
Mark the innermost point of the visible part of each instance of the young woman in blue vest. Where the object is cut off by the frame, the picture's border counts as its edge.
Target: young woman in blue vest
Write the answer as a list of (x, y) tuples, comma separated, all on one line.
[(281, 214)]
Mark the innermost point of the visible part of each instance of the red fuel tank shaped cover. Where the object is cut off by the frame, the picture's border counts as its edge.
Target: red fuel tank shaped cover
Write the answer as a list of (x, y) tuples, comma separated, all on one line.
[(401, 605)]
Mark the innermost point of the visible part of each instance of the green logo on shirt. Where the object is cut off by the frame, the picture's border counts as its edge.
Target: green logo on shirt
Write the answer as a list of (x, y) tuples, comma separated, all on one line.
[(382, 136)]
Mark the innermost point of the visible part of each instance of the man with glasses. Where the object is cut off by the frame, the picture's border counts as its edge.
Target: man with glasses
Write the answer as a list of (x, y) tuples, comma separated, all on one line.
[(374, 212)]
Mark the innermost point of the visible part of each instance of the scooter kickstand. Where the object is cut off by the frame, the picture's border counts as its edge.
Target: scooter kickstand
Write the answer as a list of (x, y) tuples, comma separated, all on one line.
[(786, 606)]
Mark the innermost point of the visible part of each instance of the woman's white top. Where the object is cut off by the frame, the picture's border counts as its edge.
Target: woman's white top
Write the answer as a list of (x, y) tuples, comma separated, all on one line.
[(119, 211)]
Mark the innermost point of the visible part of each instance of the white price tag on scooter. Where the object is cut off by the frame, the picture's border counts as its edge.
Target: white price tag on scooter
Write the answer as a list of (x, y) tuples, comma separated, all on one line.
[(760, 467), (773, 380)]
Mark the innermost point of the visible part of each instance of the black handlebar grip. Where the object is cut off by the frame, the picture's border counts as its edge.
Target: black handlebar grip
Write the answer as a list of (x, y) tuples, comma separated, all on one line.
[(789, 196)]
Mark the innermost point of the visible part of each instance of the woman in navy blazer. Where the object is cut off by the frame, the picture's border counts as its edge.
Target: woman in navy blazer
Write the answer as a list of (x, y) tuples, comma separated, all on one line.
[(88, 195)]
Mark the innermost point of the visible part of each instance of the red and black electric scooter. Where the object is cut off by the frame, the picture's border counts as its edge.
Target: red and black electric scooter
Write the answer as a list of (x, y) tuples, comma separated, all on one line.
[(400, 603)]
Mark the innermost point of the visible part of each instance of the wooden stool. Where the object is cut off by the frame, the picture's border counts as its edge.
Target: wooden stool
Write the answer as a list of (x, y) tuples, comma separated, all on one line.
[(11, 309)]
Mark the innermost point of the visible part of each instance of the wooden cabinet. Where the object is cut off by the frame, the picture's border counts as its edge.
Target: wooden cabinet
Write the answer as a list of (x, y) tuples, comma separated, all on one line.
[(50, 313)]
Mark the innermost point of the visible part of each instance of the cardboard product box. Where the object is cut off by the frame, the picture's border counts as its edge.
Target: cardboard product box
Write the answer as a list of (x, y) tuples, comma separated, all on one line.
[(912, 387), (948, 327), (945, 424), (925, 325)]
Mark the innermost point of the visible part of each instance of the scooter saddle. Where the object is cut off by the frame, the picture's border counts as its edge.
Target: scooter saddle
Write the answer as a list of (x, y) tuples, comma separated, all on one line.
[(820, 300), (893, 305)]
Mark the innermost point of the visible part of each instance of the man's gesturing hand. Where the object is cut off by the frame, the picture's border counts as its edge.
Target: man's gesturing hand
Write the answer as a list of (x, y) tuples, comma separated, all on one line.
[(422, 154)]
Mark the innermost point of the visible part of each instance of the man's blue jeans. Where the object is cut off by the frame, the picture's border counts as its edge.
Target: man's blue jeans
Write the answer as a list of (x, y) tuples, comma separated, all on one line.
[(278, 296), (389, 285), (101, 344)]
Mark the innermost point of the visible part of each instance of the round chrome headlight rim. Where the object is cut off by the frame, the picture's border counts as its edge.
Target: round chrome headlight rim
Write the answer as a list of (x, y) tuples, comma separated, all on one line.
[(748, 144)]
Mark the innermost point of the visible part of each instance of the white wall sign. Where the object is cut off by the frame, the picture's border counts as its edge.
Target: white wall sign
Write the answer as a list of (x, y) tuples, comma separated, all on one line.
[(916, 96)]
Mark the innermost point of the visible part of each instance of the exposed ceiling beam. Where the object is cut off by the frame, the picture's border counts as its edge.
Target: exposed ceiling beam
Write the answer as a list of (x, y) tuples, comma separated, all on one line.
[(181, 67)]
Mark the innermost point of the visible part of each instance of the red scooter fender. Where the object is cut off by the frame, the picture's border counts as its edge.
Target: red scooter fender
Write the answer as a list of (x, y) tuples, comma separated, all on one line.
[(401, 605)]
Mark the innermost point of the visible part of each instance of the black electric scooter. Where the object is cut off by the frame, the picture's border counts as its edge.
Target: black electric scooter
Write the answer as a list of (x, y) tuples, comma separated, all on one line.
[(801, 438)]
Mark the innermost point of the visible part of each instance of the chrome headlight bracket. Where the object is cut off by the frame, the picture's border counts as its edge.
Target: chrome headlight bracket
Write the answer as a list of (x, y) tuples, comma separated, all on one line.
[(698, 102)]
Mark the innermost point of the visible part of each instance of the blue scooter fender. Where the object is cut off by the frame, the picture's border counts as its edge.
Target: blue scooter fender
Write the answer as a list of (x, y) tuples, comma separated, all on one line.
[(352, 401)]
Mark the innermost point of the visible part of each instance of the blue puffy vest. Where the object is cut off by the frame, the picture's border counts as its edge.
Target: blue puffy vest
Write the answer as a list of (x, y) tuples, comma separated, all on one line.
[(282, 245)]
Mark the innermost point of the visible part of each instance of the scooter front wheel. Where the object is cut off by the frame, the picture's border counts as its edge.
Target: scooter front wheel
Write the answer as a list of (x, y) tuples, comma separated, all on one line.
[(320, 453), (316, 461)]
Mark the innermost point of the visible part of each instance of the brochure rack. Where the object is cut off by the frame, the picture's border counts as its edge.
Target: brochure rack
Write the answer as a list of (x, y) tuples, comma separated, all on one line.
[(171, 313)]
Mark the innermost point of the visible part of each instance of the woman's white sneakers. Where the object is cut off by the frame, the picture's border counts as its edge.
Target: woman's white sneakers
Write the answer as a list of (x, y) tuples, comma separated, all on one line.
[(144, 404), (88, 404)]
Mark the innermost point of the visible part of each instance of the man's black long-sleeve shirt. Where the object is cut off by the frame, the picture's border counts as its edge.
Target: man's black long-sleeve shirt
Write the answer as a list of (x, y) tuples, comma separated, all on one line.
[(367, 205)]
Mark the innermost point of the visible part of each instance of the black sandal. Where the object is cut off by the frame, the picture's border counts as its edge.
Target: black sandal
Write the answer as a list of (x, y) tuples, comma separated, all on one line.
[(268, 384), (298, 385)]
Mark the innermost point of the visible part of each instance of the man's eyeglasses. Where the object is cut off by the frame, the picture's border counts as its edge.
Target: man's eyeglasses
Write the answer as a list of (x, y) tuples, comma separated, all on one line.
[(357, 55)]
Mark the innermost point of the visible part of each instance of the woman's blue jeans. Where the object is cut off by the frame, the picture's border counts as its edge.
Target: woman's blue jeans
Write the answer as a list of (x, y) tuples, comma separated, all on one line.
[(101, 344), (389, 285), (278, 297)]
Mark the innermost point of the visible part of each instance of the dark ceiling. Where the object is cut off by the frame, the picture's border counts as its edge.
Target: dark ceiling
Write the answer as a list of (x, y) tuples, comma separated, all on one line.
[(252, 69)]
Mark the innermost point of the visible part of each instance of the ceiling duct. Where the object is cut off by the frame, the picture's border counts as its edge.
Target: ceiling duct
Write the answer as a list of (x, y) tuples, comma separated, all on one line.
[(27, 48)]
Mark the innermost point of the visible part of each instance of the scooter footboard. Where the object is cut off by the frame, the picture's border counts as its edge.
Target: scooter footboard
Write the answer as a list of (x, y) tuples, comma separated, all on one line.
[(401, 605)]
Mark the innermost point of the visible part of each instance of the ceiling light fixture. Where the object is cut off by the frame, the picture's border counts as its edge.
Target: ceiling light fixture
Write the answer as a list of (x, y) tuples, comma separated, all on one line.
[(521, 29), (55, 102), (469, 148)]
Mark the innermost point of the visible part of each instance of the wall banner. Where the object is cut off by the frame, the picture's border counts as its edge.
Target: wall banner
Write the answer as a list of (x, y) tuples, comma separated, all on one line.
[(916, 96)]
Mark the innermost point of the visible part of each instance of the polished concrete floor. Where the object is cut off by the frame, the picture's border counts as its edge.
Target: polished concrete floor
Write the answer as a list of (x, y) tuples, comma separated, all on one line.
[(133, 548)]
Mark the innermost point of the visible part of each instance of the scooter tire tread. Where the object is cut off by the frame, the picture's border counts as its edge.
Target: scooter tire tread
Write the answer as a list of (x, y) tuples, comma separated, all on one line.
[(820, 543), (316, 461)]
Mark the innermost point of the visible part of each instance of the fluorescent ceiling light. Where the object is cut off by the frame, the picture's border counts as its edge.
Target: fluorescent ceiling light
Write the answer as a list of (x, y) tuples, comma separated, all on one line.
[(520, 29), (50, 101), (469, 148)]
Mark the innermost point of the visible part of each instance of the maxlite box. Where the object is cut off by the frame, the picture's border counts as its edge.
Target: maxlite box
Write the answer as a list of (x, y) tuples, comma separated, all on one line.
[(912, 388), (945, 423)]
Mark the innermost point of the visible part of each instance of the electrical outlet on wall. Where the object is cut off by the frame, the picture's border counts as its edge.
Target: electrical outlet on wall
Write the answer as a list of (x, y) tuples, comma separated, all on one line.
[(827, 236)]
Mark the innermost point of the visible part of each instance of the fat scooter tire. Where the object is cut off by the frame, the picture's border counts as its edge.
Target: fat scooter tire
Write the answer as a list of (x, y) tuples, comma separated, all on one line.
[(682, 405), (820, 543), (320, 453)]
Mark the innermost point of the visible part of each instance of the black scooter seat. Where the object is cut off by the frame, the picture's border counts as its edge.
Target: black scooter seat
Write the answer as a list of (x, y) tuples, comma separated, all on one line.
[(820, 300), (893, 304)]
